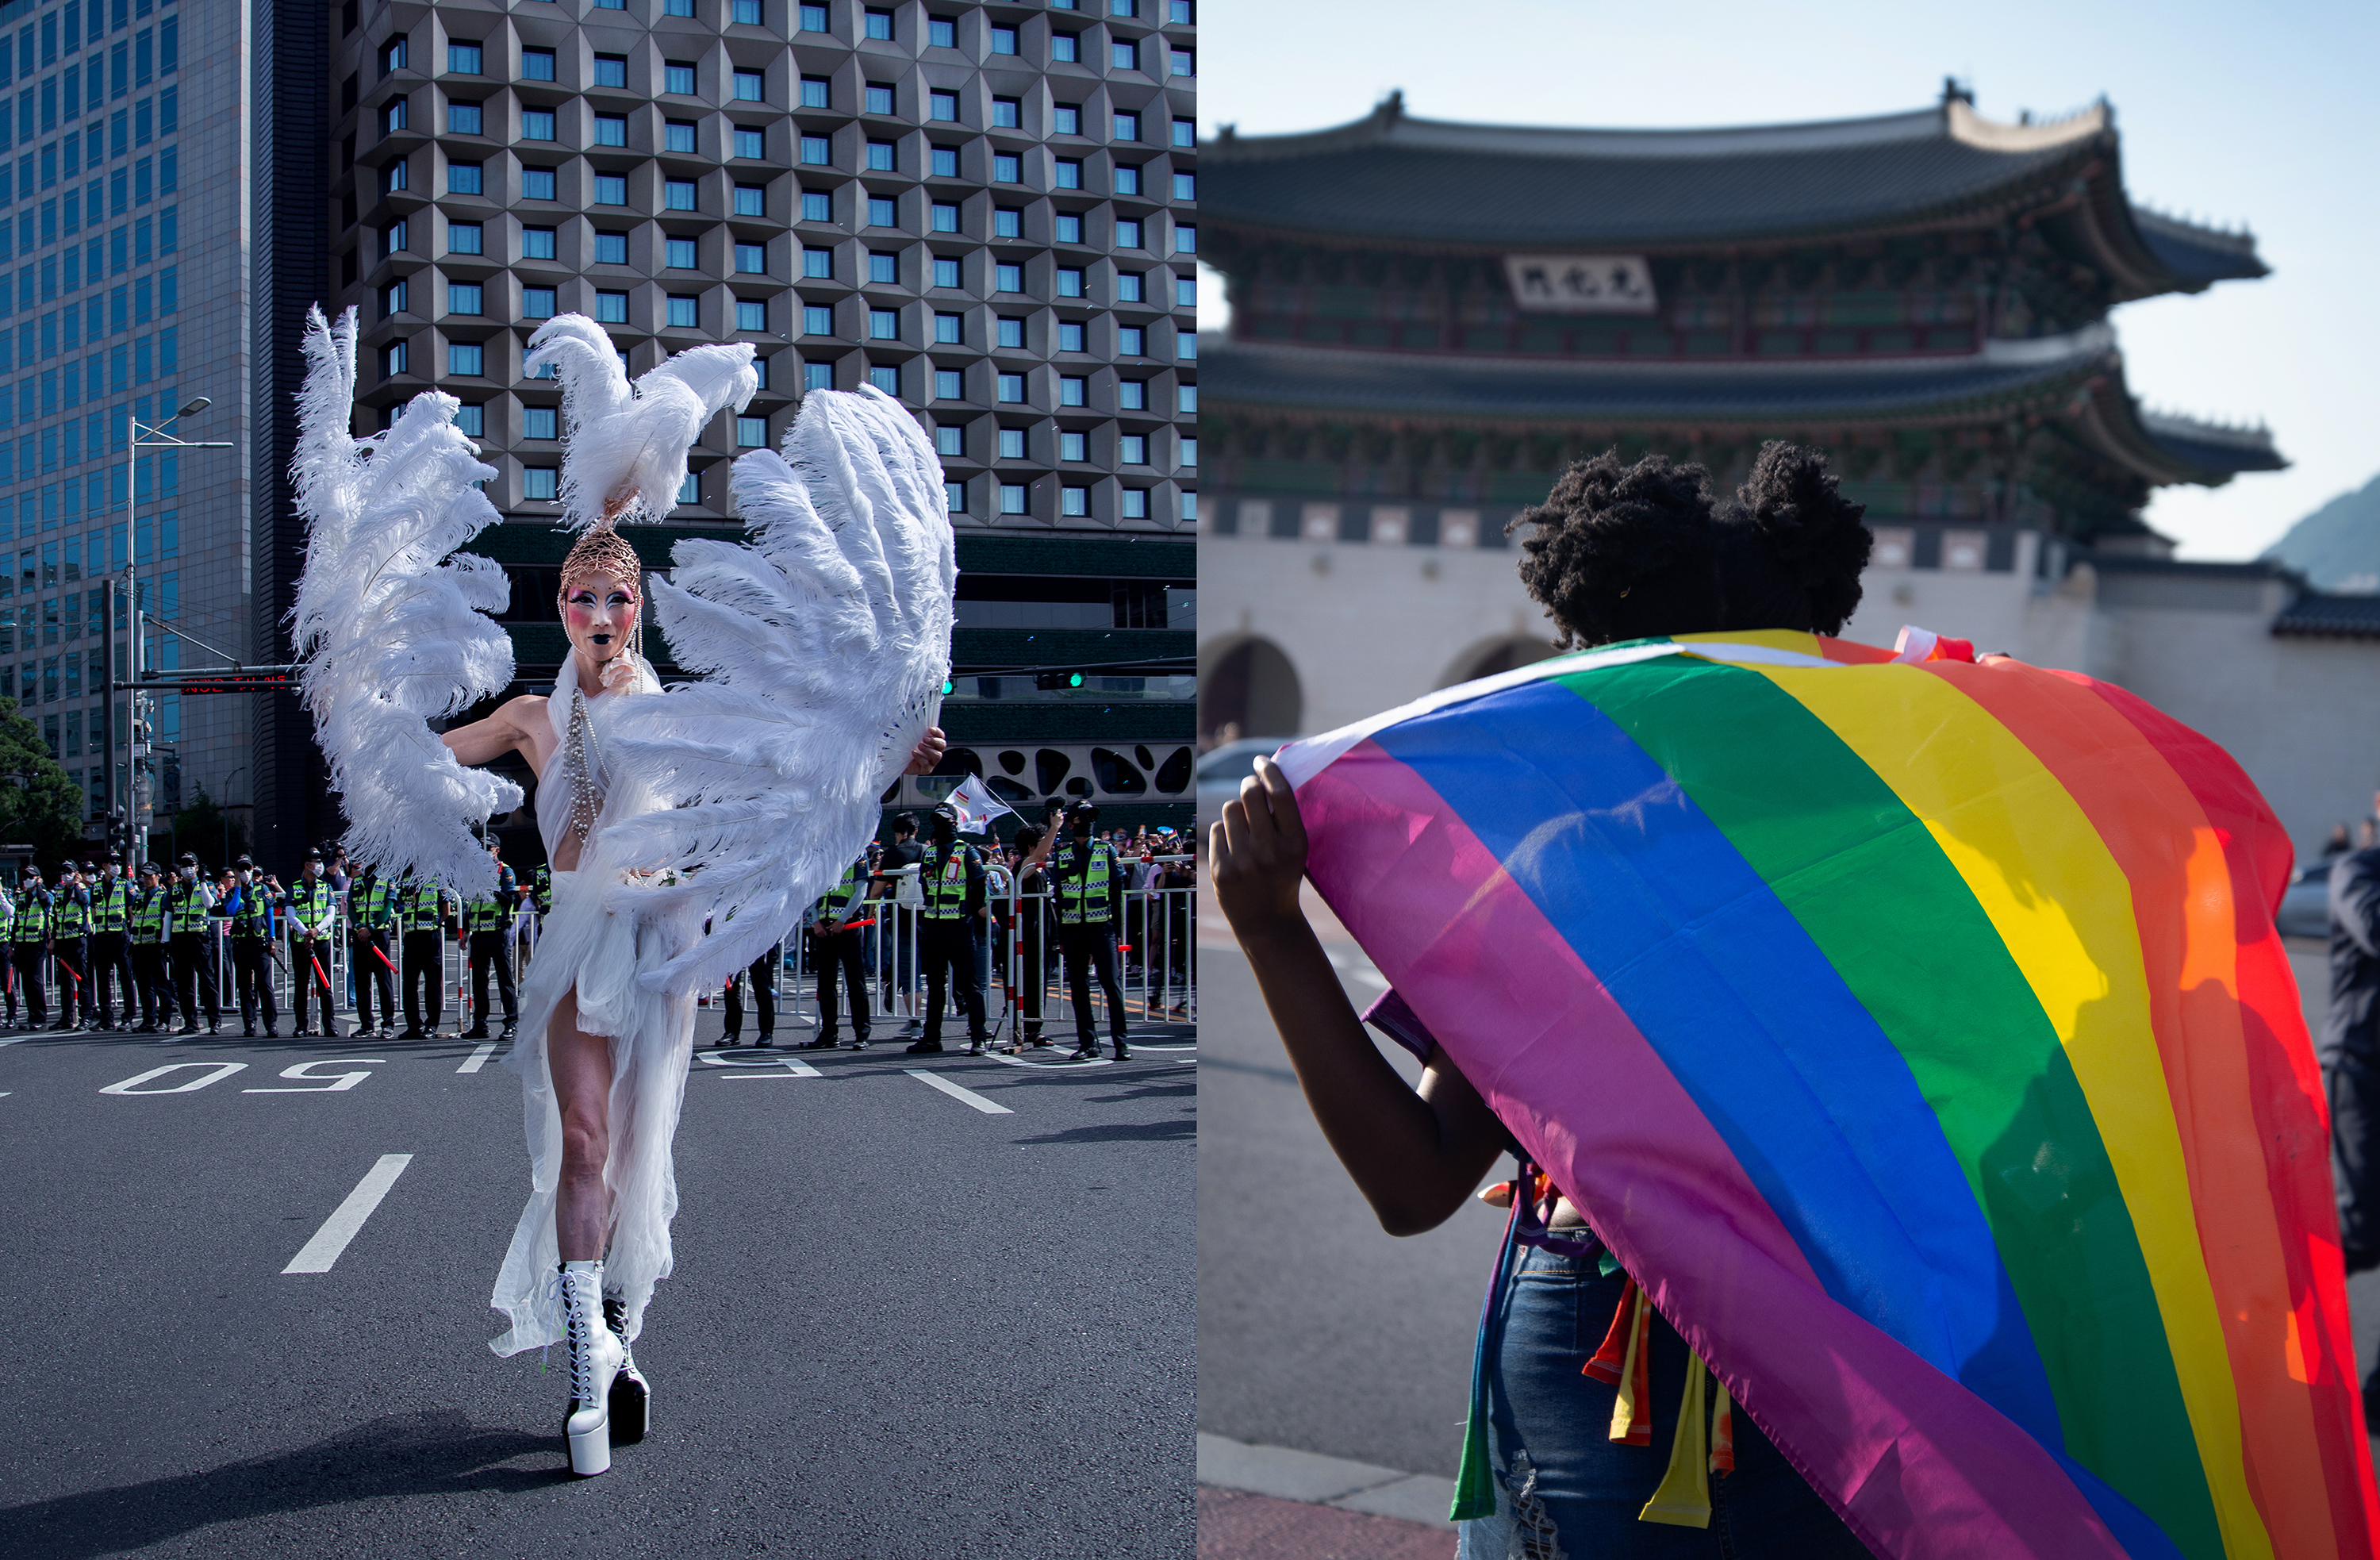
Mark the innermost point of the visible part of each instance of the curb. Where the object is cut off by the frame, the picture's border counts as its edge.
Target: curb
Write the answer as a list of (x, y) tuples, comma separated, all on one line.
[(1313, 1479)]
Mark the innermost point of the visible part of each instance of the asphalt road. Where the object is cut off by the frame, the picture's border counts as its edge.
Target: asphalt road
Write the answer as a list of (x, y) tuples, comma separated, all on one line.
[(1317, 1331), (899, 1327)]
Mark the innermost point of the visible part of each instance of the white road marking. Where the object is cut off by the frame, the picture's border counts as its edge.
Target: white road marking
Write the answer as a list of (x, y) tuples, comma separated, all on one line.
[(16, 1039), (319, 1253), (478, 1058), (215, 1072), (785, 1067), (312, 1084), (965, 1096), (1054, 1066)]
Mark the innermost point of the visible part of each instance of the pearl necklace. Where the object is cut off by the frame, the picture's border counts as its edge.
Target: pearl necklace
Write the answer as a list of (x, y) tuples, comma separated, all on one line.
[(580, 745)]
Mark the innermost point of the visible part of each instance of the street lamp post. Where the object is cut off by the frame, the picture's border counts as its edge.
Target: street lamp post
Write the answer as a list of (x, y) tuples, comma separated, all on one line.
[(142, 744)]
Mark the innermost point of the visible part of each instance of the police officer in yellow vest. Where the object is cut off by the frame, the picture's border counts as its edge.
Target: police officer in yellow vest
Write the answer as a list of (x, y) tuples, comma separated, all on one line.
[(190, 901), (111, 952), (950, 876), (70, 948), (147, 936), (836, 942), (253, 908), (371, 913), (29, 940), (1086, 879), (313, 905), (424, 912), (490, 918)]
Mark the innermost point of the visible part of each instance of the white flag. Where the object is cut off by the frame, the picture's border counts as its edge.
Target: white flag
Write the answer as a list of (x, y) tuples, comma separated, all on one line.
[(976, 806)]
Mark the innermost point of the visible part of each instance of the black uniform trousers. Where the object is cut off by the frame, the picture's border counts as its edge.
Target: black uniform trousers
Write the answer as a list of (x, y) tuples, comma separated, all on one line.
[(763, 977), (252, 976), (488, 951), (844, 954), (111, 966), (193, 962), (369, 964), (1090, 948), (310, 977), (149, 979), (28, 957), (72, 957), (950, 951), (424, 973)]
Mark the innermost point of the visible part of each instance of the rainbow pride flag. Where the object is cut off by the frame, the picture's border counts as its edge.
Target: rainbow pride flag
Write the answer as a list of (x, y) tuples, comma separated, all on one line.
[(1917, 1034)]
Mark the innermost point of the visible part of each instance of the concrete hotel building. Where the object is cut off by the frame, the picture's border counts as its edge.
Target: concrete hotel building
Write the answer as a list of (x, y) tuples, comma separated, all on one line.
[(983, 209)]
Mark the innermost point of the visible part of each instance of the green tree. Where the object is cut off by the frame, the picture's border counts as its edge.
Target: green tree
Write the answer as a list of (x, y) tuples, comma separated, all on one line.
[(39, 806)]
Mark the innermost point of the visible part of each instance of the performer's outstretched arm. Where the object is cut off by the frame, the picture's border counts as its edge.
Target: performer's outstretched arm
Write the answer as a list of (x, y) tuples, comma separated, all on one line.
[(1414, 1156)]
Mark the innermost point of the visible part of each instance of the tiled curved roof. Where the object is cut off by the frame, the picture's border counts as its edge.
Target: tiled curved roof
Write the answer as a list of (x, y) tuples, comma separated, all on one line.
[(2330, 617)]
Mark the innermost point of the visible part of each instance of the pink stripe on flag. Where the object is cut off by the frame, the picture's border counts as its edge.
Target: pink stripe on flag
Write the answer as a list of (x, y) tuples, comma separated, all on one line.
[(1918, 1465)]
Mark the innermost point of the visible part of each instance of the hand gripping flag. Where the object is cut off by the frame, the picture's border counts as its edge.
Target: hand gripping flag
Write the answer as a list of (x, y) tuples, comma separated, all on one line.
[(1916, 1033)]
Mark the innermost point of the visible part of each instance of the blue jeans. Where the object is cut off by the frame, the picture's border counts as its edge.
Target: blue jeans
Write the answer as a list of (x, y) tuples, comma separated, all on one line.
[(1550, 1423)]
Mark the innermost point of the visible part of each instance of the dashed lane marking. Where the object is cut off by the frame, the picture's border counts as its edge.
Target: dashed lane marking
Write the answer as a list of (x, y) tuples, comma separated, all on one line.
[(319, 1253), (965, 1096), (478, 1058)]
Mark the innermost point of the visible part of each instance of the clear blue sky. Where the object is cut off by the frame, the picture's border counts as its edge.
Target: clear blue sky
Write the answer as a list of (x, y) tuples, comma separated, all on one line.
[(2262, 115)]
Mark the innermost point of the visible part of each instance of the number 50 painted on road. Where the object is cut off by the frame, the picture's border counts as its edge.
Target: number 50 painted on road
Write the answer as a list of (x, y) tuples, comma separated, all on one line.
[(216, 1072)]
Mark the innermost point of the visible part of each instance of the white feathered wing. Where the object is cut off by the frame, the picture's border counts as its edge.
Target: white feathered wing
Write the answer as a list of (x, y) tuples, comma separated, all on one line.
[(391, 631), (827, 641), (627, 443)]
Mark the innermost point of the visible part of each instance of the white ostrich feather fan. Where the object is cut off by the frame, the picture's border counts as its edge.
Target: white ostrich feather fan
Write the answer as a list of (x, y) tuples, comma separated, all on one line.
[(627, 443), (826, 643), (393, 632)]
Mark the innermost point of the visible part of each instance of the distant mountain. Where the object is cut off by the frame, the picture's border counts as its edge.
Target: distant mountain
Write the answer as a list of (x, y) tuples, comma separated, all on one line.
[(2337, 546)]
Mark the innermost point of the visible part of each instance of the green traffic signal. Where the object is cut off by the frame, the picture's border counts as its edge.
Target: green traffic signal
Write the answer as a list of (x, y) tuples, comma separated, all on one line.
[(1075, 681)]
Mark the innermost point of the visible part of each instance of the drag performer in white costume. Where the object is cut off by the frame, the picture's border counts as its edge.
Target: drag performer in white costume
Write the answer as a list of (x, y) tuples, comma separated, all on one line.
[(735, 801)]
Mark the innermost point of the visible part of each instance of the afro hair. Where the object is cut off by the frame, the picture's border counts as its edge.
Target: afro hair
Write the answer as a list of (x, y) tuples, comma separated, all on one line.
[(1624, 551), (1790, 547)]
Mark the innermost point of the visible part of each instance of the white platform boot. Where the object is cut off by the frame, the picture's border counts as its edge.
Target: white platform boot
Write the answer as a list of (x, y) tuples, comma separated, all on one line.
[(632, 1396), (595, 1354)]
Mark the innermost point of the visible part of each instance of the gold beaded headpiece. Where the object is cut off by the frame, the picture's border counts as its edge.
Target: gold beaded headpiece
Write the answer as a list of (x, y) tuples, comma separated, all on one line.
[(603, 552)]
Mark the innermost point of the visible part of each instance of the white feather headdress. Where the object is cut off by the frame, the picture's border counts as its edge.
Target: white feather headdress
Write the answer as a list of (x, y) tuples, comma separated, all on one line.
[(626, 444)]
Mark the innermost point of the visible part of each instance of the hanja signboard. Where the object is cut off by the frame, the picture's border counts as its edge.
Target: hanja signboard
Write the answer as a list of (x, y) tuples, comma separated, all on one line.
[(1581, 284)]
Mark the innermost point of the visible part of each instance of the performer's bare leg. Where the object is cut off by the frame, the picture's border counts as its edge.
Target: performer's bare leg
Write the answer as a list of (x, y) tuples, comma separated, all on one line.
[(581, 1065)]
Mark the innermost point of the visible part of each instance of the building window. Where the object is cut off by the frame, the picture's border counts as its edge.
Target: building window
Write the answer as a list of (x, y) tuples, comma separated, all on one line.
[(1074, 446), (884, 324), (950, 384), (818, 319), (949, 329), (1189, 452), (690, 489), (1065, 119), (1069, 229), (1070, 282), (612, 308), (1185, 347), (1012, 386), (1008, 278), (955, 497), (678, 253), (1070, 336), (884, 267), (1136, 504), (750, 143), (537, 184), (751, 315), (1129, 341), (537, 65), (885, 379), (951, 441), (1132, 394), (946, 273), (1007, 167), (611, 189), (1185, 397), (466, 238), (1003, 40), (942, 217), (1186, 62), (1127, 234), (465, 358), (678, 135), (683, 314), (752, 260), (1072, 390), (677, 79), (879, 157), (463, 118), (878, 99), (396, 176), (817, 206), (1128, 287), (1009, 331), (748, 84), (1185, 292), (1127, 180), (751, 199), (818, 264), (941, 32), (1185, 132), (611, 129), (1185, 187), (1124, 55), (464, 297), (1185, 240), (537, 124), (1131, 449), (1011, 444), (1007, 113), (463, 59), (397, 116), (464, 179), (943, 106), (1127, 127), (751, 432), (1073, 501), (537, 303), (1007, 222), (471, 422), (816, 376), (677, 7), (878, 24), (817, 152), (1065, 48), (745, 13), (536, 243), (611, 248), (882, 212), (1069, 173), (1011, 498), (392, 55), (677, 195), (540, 484), (814, 18), (392, 298)]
